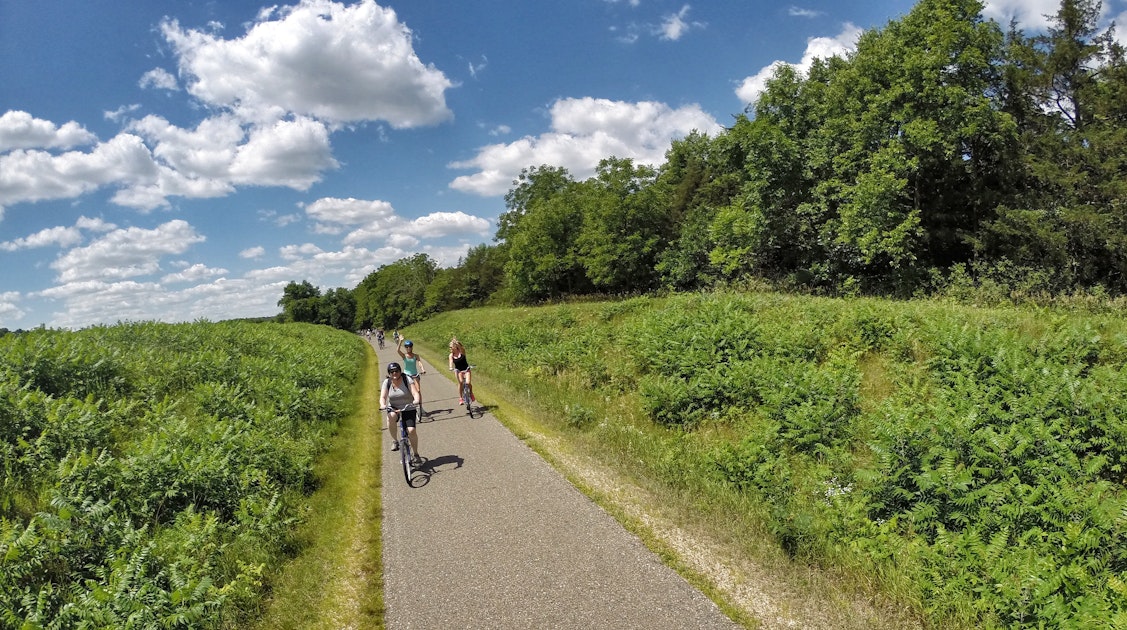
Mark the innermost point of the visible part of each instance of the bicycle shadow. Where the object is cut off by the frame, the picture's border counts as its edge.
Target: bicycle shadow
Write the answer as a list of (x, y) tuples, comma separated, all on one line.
[(437, 415), (477, 411), (430, 467)]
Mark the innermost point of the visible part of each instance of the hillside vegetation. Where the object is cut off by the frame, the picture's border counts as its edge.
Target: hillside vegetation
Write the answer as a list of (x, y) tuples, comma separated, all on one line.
[(152, 473), (947, 153), (969, 461)]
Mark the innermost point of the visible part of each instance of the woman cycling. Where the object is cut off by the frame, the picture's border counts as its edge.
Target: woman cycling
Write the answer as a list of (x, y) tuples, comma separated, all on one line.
[(411, 362), (461, 366), (397, 392)]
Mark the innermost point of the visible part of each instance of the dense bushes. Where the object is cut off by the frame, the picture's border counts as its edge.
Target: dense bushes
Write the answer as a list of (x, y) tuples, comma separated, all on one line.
[(152, 471), (978, 455)]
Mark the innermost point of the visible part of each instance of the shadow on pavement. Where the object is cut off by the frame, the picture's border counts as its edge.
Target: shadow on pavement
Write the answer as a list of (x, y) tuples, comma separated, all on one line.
[(421, 475)]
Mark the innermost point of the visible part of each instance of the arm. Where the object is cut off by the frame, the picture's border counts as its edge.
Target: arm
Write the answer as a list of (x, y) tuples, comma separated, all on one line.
[(383, 397), (399, 349)]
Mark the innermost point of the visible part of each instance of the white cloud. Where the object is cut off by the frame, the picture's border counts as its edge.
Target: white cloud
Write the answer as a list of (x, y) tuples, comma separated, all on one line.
[(806, 13), (125, 253), (288, 153), (194, 273), (20, 130), (334, 62), (253, 252), (296, 252), (376, 221), (120, 113), (27, 175), (274, 93), (99, 301), (474, 69), (1030, 14), (816, 48), (9, 305), (674, 26), (585, 130), (62, 236), (349, 211), (158, 78), (501, 130)]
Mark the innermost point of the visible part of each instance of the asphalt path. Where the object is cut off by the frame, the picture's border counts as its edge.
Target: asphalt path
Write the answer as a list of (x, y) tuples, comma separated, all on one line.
[(490, 536)]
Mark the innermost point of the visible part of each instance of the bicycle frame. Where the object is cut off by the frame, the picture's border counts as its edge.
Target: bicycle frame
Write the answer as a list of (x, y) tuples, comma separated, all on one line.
[(406, 454)]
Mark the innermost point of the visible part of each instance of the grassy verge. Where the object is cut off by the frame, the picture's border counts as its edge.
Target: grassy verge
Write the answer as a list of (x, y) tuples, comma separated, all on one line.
[(335, 580), (708, 539), (860, 462)]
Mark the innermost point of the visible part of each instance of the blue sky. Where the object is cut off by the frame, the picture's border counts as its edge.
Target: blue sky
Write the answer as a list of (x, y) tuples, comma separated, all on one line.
[(178, 160)]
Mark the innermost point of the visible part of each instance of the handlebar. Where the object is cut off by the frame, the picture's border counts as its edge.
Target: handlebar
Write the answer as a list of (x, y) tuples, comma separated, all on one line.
[(407, 407)]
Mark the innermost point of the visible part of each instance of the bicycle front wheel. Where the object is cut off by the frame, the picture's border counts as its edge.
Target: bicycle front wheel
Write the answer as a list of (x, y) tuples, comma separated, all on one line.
[(405, 456)]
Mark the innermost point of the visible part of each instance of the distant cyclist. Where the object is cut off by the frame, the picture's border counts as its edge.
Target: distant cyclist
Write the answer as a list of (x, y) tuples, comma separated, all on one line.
[(379, 337), (460, 364), (411, 361), (397, 392)]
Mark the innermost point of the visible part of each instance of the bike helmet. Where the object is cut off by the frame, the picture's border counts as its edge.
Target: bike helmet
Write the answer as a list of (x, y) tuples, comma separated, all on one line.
[(408, 343), (393, 367)]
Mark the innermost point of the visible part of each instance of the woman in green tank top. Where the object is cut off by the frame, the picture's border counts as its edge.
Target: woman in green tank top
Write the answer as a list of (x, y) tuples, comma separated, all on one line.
[(411, 361)]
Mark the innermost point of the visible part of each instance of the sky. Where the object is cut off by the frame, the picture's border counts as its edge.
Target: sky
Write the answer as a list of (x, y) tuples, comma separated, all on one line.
[(183, 160)]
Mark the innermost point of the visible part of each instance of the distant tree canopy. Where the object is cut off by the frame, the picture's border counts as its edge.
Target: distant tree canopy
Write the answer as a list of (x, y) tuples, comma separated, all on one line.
[(944, 145)]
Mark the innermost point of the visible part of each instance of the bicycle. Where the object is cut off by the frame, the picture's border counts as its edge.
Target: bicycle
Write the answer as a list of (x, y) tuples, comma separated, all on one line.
[(406, 454), (465, 390)]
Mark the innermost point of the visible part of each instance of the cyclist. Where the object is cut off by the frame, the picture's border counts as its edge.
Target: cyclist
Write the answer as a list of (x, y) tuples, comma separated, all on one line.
[(461, 365), (379, 337), (411, 362), (396, 393)]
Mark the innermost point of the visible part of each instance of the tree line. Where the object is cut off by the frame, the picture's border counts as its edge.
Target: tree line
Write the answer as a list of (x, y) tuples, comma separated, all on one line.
[(946, 148)]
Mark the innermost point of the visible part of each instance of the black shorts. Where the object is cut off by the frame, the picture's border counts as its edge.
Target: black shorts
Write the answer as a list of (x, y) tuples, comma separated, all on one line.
[(409, 416)]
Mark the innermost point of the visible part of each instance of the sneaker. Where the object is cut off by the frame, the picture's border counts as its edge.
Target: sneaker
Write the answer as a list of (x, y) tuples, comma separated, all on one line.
[(416, 461), (395, 446)]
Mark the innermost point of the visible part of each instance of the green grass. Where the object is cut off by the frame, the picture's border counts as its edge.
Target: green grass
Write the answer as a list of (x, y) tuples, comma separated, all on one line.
[(335, 581), (941, 463)]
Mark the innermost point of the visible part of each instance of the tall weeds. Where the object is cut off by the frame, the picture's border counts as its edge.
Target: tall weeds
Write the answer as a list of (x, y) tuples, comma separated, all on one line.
[(971, 460), (152, 472)]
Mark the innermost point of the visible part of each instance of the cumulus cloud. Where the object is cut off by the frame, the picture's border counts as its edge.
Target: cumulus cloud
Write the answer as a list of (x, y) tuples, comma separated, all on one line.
[(159, 78), (101, 301), (326, 60), (584, 131), (33, 175), (253, 252), (275, 94), (125, 253), (9, 304), (816, 48), (376, 221), (21, 130), (193, 273), (61, 236)]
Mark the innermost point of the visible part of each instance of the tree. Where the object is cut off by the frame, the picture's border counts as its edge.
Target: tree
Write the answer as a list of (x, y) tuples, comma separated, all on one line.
[(300, 302), (699, 177), (624, 228), (533, 185), (543, 258), (338, 309)]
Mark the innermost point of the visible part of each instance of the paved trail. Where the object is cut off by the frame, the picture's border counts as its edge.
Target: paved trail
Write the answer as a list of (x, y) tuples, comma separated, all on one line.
[(490, 536)]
